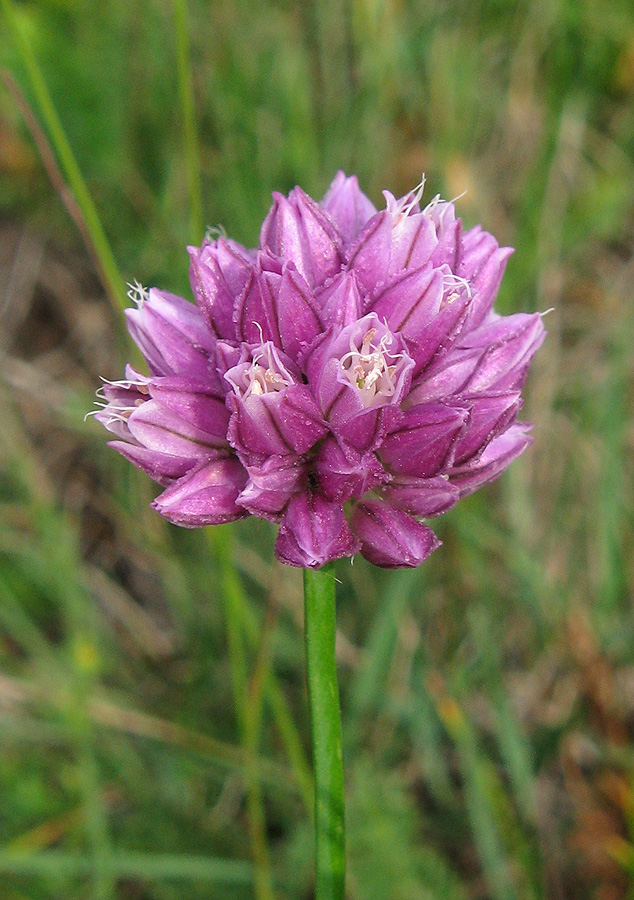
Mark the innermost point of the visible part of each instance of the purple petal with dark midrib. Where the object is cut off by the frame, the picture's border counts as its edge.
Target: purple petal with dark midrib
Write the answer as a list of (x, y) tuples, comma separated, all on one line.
[(390, 537), (313, 532), (205, 496)]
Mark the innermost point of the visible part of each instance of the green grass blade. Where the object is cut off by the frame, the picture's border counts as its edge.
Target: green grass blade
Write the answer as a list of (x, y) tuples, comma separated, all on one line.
[(188, 111), (146, 866), (235, 603), (113, 282)]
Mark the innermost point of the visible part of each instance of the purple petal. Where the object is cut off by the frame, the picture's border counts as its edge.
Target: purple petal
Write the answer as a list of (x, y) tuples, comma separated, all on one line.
[(389, 537), (489, 415), (234, 261), (281, 231), (313, 532), (411, 302), (122, 398), (513, 341), (437, 337), (482, 264), (424, 441), (369, 256), (449, 234), (367, 431), (298, 418), (252, 429), (160, 467), (206, 496), (115, 424), (229, 355), (297, 230), (195, 403), (278, 423), (413, 242), (218, 274), (340, 301), (423, 497), (348, 206), (445, 378), (271, 485), (499, 454), (298, 320), (322, 238), (173, 336), (158, 428), (344, 473), (256, 308)]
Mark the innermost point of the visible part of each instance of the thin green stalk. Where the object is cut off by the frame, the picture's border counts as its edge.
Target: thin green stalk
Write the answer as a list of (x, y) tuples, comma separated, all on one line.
[(283, 719), (109, 271), (188, 110), (325, 721), (234, 614), (281, 714), (152, 867), (292, 742)]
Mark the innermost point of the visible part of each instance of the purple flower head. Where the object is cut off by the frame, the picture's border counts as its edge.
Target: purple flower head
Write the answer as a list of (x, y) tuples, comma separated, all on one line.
[(346, 379)]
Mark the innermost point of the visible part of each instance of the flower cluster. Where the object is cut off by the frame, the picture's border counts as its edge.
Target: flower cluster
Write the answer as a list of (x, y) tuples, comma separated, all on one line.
[(346, 379)]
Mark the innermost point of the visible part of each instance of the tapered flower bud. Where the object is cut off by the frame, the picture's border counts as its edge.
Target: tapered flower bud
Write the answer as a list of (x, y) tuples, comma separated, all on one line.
[(272, 484), (173, 337), (165, 425), (390, 537), (347, 378), (207, 495), (348, 206), (218, 272), (313, 532)]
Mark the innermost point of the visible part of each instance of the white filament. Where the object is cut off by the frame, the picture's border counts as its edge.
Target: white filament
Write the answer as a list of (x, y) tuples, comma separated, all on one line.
[(137, 293), (367, 368)]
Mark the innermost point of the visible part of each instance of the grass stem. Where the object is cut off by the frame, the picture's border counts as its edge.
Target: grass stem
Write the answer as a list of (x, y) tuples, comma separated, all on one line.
[(248, 717), (188, 111), (108, 268)]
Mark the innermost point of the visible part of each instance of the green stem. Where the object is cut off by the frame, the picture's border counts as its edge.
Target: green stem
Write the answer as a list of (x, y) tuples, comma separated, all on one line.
[(325, 721)]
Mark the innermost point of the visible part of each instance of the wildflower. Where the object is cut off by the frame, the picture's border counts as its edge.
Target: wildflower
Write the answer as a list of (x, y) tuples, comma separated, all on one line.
[(346, 379)]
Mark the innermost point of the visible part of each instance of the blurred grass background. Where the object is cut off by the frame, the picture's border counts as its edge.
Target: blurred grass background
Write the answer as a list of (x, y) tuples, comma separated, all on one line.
[(153, 726)]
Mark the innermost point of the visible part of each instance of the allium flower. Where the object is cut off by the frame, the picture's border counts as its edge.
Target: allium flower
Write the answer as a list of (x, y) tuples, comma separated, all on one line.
[(346, 379)]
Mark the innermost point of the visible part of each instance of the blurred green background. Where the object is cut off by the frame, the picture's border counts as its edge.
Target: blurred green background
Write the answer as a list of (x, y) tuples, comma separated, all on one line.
[(488, 698)]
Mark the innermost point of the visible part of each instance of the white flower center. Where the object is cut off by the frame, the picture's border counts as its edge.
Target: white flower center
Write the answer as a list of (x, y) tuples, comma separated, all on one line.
[(371, 368), (452, 286), (261, 380), (266, 374)]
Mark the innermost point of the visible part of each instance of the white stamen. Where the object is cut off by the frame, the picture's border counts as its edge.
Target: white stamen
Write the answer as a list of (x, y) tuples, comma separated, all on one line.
[(367, 368), (417, 194), (450, 280), (266, 373), (137, 293), (127, 384), (459, 196), (120, 411), (213, 232), (437, 201)]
